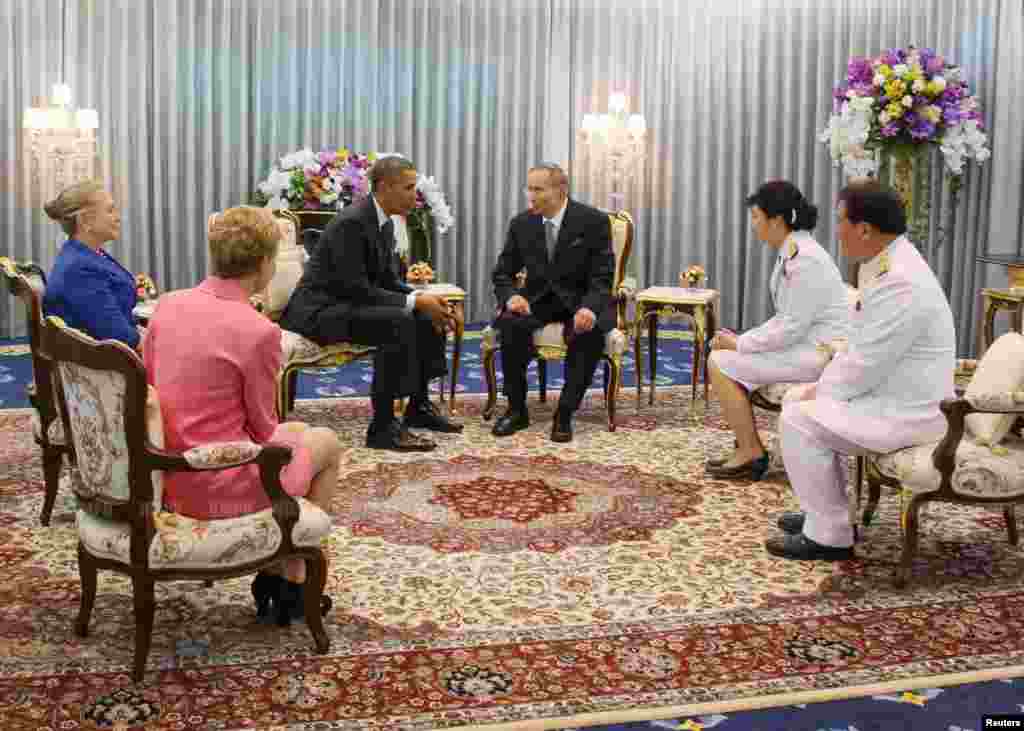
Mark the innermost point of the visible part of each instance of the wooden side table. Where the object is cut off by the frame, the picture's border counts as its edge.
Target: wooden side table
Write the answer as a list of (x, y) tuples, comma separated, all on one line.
[(457, 297), (698, 305), (992, 301)]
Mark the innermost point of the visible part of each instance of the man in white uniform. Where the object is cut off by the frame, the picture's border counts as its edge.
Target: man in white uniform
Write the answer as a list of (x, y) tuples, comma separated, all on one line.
[(883, 393)]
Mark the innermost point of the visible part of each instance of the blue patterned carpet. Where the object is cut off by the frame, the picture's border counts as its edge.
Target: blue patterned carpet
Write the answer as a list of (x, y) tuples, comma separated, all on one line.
[(958, 708)]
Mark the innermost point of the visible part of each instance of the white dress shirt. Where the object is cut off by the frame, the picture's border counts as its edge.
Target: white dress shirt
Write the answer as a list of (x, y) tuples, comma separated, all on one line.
[(382, 219)]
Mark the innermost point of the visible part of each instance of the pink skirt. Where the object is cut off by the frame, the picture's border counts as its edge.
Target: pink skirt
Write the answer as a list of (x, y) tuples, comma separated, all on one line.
[(220, 494)]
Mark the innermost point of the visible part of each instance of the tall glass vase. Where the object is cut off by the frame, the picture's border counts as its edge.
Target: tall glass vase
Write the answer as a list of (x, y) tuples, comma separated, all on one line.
[(907, 169)]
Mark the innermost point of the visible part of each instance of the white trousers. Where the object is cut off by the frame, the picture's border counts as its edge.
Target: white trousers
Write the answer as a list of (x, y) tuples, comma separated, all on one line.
[(818, 468)]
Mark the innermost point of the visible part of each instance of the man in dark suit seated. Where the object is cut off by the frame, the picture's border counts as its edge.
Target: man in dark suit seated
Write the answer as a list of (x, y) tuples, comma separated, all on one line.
[(350, 292), (565, 248)]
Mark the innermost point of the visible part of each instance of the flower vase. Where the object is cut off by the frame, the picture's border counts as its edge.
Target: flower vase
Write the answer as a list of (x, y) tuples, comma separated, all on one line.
[(907, 170)]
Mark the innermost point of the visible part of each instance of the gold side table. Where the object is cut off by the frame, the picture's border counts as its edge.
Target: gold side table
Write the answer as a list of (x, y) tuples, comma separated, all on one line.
[(653, 302), (457, 297), (992, 302)]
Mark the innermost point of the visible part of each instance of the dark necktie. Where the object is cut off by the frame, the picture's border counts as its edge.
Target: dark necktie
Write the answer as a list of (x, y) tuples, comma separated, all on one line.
[(550, 238)]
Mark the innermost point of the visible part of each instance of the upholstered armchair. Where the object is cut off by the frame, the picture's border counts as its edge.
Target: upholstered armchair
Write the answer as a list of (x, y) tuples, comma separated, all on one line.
[(980, 460), (28, 283), (121, 526), (550, 343)]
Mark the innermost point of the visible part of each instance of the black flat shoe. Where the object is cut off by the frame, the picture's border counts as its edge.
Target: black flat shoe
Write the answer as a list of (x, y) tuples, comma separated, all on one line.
[(792, 523), (802, 548), (424, 415), (752, 470), (292, 603), (265, 590), (511, 422)]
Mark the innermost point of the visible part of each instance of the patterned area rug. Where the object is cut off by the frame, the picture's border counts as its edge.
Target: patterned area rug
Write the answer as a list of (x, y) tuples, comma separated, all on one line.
[(509, 580)]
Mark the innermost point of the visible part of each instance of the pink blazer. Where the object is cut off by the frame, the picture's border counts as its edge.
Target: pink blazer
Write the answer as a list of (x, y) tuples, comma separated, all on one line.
[(214, 361)]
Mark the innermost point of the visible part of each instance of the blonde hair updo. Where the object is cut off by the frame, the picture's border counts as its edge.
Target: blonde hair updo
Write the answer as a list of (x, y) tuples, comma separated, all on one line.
[(64, 209), (240, 239)]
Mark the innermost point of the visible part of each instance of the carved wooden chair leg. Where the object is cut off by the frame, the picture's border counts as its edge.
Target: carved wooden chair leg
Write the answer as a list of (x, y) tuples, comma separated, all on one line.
[(874, 495), (87, 574), (613, 374), (144, 601), (53, 460), (1011, 524), (316, 579), (910, 538)]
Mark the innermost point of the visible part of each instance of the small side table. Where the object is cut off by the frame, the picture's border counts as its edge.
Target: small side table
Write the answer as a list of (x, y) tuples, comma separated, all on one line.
[(457, 297), (697, 304), (992, 301)]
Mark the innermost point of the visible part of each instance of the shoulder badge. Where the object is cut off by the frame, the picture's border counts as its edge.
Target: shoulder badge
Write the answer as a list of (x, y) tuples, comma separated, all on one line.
[(792, 250), (883, 264)]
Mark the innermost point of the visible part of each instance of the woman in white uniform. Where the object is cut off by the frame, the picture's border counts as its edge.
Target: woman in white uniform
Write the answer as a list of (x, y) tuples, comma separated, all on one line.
[(811, 308)]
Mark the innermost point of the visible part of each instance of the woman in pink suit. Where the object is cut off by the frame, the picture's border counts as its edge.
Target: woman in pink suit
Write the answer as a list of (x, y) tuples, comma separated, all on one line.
[(214, 360)]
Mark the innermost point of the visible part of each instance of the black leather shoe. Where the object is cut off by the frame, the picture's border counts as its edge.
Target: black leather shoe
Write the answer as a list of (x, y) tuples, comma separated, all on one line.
[(424, 415), (511, 422), (752, 470), (792, 523), (397, 438), (265, 590), (802, 548), (292, 603), (561, 428)]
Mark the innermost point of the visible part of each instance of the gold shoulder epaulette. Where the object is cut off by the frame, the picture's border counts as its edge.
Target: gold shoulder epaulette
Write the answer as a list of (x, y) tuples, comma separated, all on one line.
[(792, 250), (883, 264)]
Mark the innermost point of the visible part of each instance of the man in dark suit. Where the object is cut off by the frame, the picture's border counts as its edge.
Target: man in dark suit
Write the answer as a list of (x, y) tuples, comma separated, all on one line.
[(565, 248), (351, 292)]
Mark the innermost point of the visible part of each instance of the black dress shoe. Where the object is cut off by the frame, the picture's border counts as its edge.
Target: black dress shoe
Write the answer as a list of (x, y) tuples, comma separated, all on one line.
[(802, 548), (397, 438), (561, 428), (511, 422), (265, 590), (752, 470), (424, 415), (792, 523)]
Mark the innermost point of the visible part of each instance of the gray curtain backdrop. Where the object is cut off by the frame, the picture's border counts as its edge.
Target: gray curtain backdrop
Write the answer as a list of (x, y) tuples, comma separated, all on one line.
[(197, 98)]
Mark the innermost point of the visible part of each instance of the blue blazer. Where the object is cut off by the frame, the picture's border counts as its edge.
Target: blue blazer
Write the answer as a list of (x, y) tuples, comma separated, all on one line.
[(93, 293)]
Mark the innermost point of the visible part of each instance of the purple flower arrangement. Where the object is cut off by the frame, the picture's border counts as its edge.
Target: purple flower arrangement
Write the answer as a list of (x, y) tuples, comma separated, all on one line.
[(905, 96)]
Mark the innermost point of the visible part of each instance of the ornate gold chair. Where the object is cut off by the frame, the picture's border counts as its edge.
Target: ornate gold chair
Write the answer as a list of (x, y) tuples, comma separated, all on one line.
[(550, 343), (27, 282), (121, 528), (980, 460)]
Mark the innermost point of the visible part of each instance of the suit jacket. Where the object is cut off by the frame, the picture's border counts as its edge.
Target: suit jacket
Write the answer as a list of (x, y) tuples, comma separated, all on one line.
[(352, 267), (216, 388), (901, 356), (581, 273), (90, 291), (810, 300)]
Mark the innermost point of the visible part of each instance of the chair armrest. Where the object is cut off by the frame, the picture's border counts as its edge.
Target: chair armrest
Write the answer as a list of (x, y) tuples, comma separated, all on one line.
[(956, 410), (270, 457)]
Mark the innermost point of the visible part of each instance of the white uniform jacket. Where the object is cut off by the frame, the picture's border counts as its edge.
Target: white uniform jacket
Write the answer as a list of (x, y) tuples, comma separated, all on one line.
[(900, 360), (810, 300)]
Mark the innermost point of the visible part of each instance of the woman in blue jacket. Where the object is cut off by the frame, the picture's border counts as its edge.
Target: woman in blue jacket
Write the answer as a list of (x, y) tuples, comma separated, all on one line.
[(87, 288)]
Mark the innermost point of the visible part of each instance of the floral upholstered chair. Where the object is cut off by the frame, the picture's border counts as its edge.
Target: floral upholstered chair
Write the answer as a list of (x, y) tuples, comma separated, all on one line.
[(549, 341), (28, 283), (980, 460), (121, 526)]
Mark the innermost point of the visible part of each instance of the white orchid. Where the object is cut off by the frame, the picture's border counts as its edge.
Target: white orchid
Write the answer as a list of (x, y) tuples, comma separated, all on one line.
[(846, 135), (434, 197), (964, 141)]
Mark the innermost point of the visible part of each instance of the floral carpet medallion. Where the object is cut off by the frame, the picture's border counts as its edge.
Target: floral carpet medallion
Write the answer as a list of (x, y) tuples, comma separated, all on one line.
[(505, 503), (498, 580)]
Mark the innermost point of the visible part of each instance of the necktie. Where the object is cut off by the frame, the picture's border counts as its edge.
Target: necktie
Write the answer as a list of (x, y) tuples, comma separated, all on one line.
[(549, 235)]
